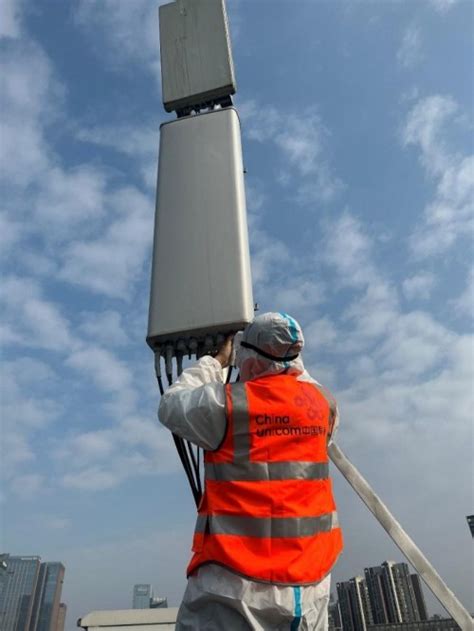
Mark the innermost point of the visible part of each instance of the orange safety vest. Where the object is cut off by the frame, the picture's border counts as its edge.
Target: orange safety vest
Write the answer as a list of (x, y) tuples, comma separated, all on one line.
[(268, 510)]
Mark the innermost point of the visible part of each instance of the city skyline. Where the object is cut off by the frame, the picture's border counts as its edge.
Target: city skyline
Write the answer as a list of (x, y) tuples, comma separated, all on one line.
[(30, 594), (387, 593)]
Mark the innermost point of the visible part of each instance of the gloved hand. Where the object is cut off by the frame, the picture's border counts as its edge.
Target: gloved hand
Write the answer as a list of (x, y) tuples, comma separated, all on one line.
[(224, 354)]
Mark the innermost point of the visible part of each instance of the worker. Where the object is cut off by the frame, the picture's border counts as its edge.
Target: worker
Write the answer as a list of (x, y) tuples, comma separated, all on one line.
[(267, 534)]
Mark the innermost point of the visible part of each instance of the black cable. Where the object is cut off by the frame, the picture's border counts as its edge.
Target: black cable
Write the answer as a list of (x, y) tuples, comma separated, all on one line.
[(160, 385), (188, 458), (192, 459), (199, 471)]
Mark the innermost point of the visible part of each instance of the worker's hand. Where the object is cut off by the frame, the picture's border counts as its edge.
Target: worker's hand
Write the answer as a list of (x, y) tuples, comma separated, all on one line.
[(225, 352)]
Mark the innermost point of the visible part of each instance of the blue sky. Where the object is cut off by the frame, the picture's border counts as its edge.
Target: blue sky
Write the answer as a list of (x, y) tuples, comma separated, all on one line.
[(357, 131)]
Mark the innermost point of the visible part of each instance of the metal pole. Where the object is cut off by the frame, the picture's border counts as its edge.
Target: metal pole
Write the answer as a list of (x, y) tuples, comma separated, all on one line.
[(400, 537)]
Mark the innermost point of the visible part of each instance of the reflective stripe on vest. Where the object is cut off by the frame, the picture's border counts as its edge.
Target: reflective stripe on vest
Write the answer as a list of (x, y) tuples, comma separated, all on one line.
[(266, 471), (266, 526)]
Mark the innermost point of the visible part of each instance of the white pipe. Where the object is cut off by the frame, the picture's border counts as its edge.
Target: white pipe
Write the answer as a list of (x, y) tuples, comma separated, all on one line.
[(400, 537)]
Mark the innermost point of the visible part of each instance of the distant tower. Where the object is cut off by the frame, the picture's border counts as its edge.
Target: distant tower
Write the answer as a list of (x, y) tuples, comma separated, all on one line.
[(61, 617), (392, 593), (419, 596), (17, 591), (142, 596), (354, 604), (404, 591), (48, 597), (334, 615), (30, 593), (382, 594)]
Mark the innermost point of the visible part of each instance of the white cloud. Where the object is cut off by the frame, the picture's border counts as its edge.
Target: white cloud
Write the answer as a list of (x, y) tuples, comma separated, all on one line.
[(110, 375), (54, 522), (129, 30), (16, 451), (28, 485), (302, 141), (108, 372), (449, 216), (443, 6), (10, 233), (112, 263), (419, 286), (70, 198), (105, 327), (255, 198), (299, 292), (139, 142), (410, 52), (372, 313), (393, 353), (31, 319), (29, 98), (349, 251), (28, 407), (10, 22), (319, 333), (92, 479), (37, 263), (425, 128), (92, 445), (413, 344), (269, 254), (464, 304), (102, 459), (41, 196)]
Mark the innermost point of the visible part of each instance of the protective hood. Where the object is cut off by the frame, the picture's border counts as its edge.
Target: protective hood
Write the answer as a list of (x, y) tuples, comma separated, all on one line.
[(279, 337)]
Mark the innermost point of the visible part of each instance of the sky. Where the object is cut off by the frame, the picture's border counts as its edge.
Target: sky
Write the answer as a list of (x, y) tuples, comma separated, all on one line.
[(357, 120)]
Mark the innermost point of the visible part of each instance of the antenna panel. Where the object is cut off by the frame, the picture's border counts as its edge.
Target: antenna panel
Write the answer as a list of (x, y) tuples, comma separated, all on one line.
[(201, 283), (196, 55)]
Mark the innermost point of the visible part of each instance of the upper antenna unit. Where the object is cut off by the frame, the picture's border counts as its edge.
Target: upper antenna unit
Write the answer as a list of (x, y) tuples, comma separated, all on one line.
[(197, 71)]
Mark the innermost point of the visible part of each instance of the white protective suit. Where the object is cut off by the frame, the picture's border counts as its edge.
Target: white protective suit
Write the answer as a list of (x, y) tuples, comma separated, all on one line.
[(217, 599)]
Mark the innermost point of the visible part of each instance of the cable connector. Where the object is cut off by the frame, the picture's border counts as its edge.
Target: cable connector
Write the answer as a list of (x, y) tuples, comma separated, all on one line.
[(193, 347), (158, 369), (169, 363), (208, 344)]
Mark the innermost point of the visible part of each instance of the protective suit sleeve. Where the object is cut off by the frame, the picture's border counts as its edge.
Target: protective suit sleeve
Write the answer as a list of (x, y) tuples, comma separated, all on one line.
[(193, 407), (305, 376)]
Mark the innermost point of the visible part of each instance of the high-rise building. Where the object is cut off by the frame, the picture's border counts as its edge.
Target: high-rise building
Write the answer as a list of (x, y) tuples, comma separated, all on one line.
[(334, 615), (404, 591), (392, 593), (381, 594), (61, 617), (158, 603), (48, 599), (30, 593), (354, 604), (345, 608), (142, 596), (419, 596), (17, 592)]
